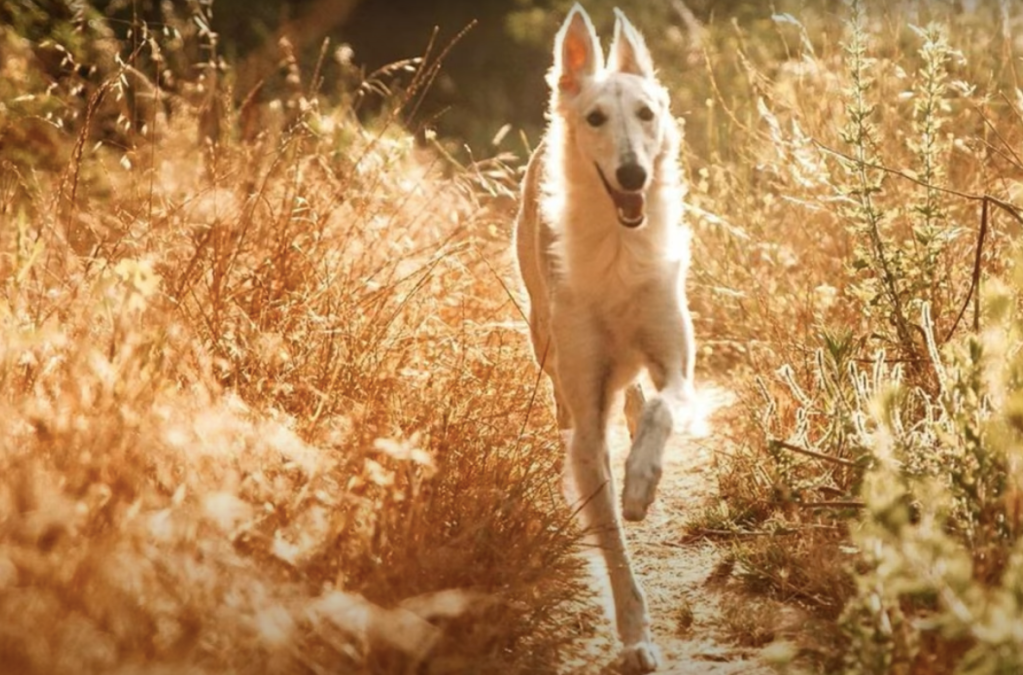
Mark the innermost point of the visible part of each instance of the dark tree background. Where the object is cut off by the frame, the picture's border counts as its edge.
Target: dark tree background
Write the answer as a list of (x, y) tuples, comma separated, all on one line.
[(491, 77)]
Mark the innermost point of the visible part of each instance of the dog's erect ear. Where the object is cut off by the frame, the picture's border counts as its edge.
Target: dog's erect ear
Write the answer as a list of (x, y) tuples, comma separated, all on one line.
[(577, 52), (628, 50)]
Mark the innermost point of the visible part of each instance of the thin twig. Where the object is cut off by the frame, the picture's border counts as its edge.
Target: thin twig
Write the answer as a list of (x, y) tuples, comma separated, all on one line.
[(892, 359), (425, 76), (1015, 111), (812, 453), (990, 125), (1005, 206), (745, 534), (975, 279), (507, 290), (838, 504)]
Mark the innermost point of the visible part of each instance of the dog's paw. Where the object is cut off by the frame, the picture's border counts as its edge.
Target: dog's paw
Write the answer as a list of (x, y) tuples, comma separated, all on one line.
[(639, 491), (642, 657)]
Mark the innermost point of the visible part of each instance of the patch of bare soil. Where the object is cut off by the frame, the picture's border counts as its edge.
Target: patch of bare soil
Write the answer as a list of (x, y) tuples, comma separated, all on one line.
[(688, 599)]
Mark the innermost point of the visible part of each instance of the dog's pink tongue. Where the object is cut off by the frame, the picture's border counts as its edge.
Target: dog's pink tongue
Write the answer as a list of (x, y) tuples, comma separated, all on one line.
[(630, 208)]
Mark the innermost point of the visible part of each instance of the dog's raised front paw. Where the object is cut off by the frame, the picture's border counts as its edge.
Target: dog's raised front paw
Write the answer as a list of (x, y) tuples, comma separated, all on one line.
[(642, 657), (639, 491)]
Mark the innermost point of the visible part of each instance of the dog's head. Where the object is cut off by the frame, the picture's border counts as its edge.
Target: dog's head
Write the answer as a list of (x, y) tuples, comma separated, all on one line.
[(618, 114)]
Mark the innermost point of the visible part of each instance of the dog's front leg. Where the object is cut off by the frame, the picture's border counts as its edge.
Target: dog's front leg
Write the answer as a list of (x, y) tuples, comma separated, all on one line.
[(586, 392), (671, 369)]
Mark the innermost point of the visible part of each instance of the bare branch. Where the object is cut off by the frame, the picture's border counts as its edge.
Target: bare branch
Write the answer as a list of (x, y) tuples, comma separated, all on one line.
[(812, 453)]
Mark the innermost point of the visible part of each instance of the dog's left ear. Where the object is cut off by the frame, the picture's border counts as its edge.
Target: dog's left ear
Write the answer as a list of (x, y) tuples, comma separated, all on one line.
[(629, 53)]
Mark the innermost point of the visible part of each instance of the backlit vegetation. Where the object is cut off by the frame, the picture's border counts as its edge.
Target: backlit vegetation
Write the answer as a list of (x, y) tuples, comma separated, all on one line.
[(266, 403), (857, 258), (269, 407)]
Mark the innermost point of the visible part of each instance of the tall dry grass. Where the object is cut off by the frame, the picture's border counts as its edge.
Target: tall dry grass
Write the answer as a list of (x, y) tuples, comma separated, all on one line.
[(266, 393), (267, 405), (856, 195)]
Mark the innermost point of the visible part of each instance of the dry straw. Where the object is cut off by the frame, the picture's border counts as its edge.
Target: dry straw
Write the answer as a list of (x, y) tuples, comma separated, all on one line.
[(267, 407)]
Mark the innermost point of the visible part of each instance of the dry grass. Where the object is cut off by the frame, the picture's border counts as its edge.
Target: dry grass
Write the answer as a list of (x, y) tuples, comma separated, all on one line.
[(267, 400), (750, 624), (267, 403), (787, 288)]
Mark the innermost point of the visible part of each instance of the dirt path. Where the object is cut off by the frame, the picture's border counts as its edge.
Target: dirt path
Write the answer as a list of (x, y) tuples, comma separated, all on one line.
[(685, 605)]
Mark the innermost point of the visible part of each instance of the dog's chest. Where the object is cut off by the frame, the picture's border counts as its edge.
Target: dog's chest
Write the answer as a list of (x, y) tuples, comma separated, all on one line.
[(622, 316), (611, 270)]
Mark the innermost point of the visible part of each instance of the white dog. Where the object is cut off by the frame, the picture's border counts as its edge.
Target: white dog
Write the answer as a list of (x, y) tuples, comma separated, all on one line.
[(603, 254)]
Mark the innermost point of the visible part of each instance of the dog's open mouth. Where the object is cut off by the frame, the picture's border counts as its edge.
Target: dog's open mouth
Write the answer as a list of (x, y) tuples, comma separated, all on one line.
[(630, 206)]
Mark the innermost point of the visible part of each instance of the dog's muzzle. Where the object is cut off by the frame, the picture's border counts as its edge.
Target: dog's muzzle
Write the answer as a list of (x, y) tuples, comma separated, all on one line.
[(629, 205)]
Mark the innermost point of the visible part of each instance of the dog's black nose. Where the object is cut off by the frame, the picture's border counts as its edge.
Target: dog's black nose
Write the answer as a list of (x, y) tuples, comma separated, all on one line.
[(631, 176)]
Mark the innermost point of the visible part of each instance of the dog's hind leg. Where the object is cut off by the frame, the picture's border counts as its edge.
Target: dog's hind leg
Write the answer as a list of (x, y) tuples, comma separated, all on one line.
[(634, 402), (543, 349)]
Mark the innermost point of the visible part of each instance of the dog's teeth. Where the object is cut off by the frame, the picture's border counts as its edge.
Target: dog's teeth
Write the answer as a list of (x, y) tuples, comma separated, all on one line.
[(624, 218)]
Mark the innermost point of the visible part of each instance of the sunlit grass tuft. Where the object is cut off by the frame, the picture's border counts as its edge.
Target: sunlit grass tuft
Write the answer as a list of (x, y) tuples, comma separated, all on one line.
[(269, 408)]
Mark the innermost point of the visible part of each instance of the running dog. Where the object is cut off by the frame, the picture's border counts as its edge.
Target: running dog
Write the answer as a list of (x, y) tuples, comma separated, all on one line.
[(603, 254)]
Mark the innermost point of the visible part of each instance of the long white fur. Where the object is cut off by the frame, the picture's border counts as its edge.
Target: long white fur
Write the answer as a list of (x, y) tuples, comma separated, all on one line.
[(607, 300)]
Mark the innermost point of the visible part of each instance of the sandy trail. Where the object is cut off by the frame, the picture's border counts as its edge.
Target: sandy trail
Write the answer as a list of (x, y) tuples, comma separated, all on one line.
[(685, 609)]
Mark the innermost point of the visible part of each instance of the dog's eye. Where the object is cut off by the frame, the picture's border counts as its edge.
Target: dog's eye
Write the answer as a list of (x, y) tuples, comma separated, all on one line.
[(596, 118), (645, 114)]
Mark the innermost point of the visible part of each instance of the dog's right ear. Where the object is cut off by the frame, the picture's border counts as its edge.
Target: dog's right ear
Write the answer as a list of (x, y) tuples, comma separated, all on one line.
[(577, 53)]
